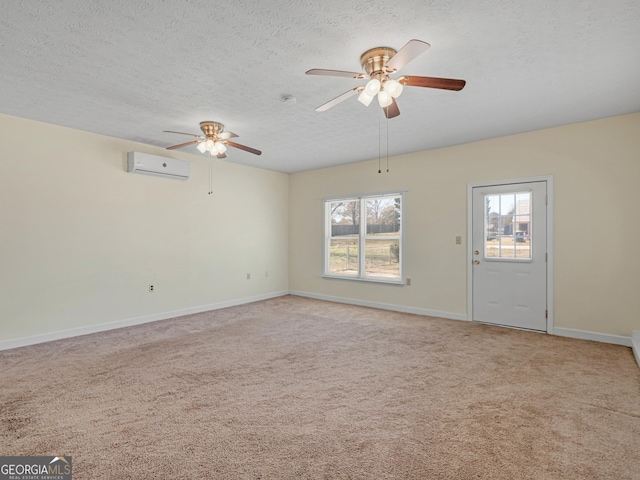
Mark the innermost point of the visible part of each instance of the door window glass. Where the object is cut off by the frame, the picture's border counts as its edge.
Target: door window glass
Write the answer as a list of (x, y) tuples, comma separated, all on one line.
[(508, 226)]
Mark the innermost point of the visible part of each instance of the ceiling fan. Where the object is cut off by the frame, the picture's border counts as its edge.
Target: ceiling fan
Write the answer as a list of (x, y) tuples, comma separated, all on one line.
[(214, 140), (379, 63)]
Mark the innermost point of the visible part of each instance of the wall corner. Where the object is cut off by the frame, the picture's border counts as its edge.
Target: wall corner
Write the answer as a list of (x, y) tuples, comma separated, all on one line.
[(635, 345)]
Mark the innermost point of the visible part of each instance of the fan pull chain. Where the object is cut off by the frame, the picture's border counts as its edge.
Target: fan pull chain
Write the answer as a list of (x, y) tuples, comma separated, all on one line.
[(379, 143), (384, 110), (211, 175), (387, 144)]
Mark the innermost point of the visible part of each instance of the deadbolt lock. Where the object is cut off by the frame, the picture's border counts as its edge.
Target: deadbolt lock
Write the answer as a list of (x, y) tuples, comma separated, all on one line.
[(476, 252)]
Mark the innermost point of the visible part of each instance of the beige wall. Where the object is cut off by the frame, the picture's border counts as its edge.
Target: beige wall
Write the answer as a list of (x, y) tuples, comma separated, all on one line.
[(596, 172), (81, 238)]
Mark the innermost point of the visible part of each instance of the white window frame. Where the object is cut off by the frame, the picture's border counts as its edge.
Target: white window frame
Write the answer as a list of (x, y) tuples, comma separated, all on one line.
[(362, 237)]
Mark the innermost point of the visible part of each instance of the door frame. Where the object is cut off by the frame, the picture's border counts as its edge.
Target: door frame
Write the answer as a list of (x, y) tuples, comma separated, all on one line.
[(542, 178)]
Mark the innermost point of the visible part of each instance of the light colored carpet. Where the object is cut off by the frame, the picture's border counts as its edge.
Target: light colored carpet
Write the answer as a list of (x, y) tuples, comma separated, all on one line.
[(295, 388)]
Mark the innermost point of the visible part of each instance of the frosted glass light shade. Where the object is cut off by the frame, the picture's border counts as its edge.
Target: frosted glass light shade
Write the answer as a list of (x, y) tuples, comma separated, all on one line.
[(202, 147), (372, 87), (393, 87), (384, 99), (365, 98), (220, 148)]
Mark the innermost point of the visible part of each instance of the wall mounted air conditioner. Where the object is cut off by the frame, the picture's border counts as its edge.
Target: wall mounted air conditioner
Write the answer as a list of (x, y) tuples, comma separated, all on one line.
[(154, 165)]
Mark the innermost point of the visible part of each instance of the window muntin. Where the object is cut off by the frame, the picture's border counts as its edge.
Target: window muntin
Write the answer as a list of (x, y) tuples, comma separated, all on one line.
[(508, 232), (364, 238)]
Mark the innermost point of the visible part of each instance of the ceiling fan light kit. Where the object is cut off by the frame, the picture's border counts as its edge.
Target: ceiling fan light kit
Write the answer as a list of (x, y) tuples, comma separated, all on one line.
[(214, 148), (379, 63), (386, 91)]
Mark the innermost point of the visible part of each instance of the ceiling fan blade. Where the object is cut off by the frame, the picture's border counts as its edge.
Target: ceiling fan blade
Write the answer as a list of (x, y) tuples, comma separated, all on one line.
[(410, 51), (225, 135), (243, 147), (182, 133), (433, 82), (338, 99), (392, 110), (183, 145), (335, 73)]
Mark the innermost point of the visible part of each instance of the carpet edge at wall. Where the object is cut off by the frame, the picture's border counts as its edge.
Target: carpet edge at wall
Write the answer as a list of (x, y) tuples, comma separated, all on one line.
[(129, 322)]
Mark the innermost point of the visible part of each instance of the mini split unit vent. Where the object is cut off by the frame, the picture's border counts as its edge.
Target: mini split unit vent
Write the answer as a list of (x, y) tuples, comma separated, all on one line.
[(154, 165)]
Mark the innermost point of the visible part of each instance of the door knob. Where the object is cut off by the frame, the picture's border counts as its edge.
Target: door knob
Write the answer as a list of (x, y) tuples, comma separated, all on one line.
[(477, 262)]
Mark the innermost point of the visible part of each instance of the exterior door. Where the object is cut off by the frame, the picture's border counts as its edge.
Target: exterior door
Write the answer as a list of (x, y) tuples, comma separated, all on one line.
[(509, 255)]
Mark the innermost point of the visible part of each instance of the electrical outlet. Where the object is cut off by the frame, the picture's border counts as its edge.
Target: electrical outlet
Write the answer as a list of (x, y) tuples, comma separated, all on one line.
[(248, 276), (150, 288), (266, 273), (408, 282), (458, 240)]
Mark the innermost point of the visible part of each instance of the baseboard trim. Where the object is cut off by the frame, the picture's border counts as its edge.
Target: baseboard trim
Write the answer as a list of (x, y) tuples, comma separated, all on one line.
[(594, 336), (635, 345), (382, 306), (102, 327), (633, 341)]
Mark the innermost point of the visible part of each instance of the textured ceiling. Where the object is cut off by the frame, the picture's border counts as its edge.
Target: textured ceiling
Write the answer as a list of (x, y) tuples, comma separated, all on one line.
[(131, 69)]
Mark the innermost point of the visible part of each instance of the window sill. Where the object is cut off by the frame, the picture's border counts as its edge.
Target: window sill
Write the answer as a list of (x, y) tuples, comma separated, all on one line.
[(397, 282)]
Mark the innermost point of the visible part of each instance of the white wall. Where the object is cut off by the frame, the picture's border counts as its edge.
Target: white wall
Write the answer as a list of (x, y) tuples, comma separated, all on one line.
[(81, 239), (596, 171)]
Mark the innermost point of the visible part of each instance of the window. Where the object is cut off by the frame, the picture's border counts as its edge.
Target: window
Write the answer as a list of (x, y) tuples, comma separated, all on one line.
[(508, 226), (363, 238)]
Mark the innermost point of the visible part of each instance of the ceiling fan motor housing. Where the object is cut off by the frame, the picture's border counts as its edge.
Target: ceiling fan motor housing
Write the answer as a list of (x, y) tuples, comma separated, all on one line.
[(374, 60), (211, 129)]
